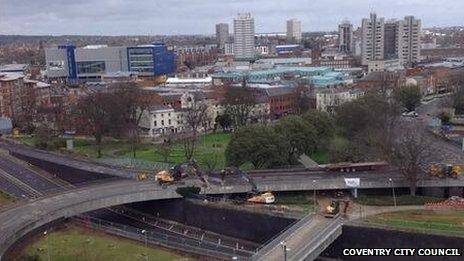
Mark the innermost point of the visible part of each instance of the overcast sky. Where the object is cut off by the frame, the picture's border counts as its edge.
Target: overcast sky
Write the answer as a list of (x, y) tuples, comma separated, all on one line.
[(142, 17)]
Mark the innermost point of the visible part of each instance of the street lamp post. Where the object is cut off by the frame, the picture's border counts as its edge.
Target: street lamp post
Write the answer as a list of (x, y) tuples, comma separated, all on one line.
[(48, 245), (393, 191), (144, 232), (314, 196), (284, 248)]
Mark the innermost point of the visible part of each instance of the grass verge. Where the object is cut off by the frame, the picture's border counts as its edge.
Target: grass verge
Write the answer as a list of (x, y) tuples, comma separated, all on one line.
[(76, 243), (400, 200), (424, 221)]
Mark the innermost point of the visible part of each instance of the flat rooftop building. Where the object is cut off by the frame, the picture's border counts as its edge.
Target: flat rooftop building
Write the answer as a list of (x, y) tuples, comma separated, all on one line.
[(91, 62)]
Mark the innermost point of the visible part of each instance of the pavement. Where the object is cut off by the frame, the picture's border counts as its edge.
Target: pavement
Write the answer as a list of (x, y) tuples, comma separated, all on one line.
[(445, 151), (317, 232)]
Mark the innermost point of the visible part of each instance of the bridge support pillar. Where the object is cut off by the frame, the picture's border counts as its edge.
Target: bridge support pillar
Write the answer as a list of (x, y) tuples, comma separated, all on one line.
[(354, 192)]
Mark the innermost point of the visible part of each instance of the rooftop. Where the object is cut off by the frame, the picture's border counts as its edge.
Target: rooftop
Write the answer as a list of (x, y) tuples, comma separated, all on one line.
[(176, 80), (10, 76), (14, 67)]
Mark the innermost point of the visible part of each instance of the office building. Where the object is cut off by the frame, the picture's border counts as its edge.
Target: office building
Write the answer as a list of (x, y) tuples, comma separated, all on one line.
[(294, 31), (372, 47), (409, 30), (91, 62), (244, 37), (345, 37), (222, 35)]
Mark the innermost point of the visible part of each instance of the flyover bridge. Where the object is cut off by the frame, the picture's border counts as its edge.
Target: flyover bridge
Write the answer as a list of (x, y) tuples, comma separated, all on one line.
[(23, 218)]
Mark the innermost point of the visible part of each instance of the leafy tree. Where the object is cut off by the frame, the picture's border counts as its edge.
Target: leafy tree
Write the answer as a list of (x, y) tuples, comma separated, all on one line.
[(258, 144), (409, 96), (343, 150), (324, 125), (372, 120), (300, 135)]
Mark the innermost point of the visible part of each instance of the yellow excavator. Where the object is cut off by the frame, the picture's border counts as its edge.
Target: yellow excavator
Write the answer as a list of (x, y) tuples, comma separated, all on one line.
[(181, 171), (445, 171)]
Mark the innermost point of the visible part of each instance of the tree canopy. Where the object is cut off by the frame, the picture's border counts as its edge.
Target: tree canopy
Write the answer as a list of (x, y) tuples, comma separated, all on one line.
[(408, 96)]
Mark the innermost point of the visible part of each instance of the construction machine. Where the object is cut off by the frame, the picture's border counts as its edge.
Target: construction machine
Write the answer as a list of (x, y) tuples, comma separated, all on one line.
[(333, 210), (181, 171), (445, 171), (164, 177), (255, 196), (263, 198)]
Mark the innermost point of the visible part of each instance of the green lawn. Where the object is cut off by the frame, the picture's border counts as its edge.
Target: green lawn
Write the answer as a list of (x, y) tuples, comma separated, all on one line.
[(210, 151), (400, 200), (298, 202), (426, 221), (81, 244)]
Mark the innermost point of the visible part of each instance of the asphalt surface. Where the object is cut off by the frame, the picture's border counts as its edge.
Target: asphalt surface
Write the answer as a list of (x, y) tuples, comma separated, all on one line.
[(445, 151), (30, 180)]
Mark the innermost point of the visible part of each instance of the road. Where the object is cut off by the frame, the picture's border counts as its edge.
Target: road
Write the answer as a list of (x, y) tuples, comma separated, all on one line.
[(444, 151), (25, 181)]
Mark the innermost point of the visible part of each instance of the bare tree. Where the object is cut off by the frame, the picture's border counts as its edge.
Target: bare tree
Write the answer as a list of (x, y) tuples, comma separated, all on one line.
[(92, 111), (165, 148), (411, 152), (239, 102), (189, 144), (129, 104), (195, 116)]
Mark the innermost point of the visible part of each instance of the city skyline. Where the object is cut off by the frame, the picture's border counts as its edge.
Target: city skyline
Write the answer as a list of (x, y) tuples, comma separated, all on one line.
[(114, 17)]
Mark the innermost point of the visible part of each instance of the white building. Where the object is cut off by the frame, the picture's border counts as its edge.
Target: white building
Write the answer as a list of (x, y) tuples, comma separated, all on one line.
[(294, 30), (244, 37), (384, 65), (328, 99), (372, 46), (160, 120), (345, 37), (409, 42)]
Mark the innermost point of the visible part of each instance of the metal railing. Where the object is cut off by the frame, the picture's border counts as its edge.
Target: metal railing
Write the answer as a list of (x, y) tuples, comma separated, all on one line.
[(60, 190), (163, 239), (285, 233)]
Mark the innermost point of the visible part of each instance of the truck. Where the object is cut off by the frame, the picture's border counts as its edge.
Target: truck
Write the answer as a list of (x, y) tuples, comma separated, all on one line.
[(263, 198)]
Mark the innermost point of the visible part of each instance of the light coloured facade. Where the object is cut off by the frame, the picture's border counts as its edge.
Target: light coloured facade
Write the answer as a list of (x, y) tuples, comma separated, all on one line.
[(327, 100), (385, 65), (222, 35), (372, 46), (244, 37), (409, 42), (162, 120), (294, 30), (345, 37)]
